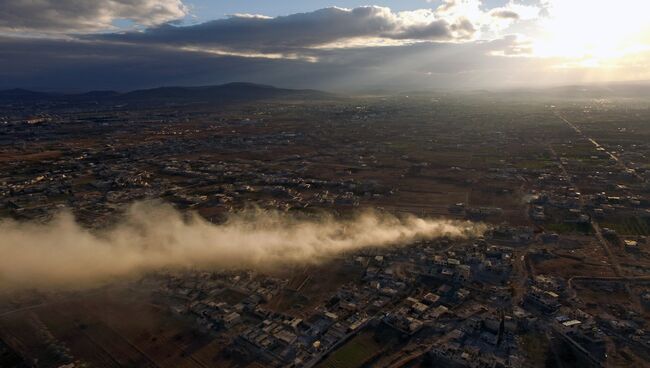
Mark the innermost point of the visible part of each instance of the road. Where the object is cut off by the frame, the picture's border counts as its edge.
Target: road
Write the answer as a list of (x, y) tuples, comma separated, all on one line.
[(599, 147), (616, 267), (597, 230)]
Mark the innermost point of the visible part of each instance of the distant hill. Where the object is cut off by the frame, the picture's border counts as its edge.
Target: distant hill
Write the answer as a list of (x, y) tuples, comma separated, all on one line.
[(627, 90), (631, 90), (18, 94), (220, 94), (230, 92), (638, 90)]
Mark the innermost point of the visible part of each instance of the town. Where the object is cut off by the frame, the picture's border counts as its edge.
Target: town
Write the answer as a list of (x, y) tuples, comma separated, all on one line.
[(561, 277)]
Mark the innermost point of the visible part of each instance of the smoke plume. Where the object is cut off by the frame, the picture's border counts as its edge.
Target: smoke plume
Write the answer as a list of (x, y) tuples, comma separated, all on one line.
[(153, 236)]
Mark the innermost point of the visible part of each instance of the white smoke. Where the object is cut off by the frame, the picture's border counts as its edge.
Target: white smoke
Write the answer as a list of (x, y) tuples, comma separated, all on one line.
[(153, 236)]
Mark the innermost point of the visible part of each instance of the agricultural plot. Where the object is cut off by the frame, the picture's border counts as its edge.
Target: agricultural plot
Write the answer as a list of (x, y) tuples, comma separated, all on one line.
[(630, 226), (355, 353)]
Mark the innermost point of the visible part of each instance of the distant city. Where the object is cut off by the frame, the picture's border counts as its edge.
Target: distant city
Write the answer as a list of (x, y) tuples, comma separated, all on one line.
[(501, 229)]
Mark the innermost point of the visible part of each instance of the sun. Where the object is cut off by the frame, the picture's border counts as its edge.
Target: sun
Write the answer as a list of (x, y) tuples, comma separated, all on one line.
[(593, 30)]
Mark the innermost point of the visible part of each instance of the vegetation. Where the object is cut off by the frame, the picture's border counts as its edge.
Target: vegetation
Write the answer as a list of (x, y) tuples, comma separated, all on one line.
[(354, 353), (536, 348), (567, 228), (630, 226)]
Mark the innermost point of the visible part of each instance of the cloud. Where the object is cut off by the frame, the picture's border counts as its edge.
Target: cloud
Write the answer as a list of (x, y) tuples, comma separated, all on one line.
[(77, 16), (460, 44), (604, 30), (515, 11), (505, 13), (490, 21), (304, 36), (152, 237), (304, 30), (515, 46), (69, 65)]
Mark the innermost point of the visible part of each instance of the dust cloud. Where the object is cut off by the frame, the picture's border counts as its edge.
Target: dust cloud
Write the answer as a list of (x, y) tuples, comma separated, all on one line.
[(152, 236)]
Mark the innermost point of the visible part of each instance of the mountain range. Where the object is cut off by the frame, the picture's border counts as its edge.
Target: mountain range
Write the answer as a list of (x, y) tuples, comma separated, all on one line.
[(219, 94)]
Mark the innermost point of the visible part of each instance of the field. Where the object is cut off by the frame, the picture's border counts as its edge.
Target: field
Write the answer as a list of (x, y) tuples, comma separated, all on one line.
[(37, 156), (588, 260), (401, 156), (308, 288), (536, 347), (630, 226), (354, 353), (568, 228), (99, 330)]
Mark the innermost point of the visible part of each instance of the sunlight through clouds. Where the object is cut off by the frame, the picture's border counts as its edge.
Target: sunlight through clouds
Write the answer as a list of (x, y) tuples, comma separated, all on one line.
[(594, 30), (483, 43)]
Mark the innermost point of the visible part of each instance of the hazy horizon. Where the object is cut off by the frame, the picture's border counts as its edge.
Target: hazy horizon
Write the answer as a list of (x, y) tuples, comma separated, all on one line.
[(388, 90)]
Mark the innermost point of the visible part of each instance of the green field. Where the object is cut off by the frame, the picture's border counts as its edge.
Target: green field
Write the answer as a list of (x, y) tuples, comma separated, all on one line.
[(536, 347), (567, 228), (535, 164), (354, 353), (630, 226)]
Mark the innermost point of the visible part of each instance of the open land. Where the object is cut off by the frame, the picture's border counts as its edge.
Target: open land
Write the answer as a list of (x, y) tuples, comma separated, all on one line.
[(562, 278)]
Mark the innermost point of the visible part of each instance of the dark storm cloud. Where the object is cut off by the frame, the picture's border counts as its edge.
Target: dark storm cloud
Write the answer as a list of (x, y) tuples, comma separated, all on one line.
[(331, 48), (435, 30), (302, 30), (84, 15), (82, 65)]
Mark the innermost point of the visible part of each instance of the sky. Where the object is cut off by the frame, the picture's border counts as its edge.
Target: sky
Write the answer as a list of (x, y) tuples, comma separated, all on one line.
[(210, 9), (335, 45)]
